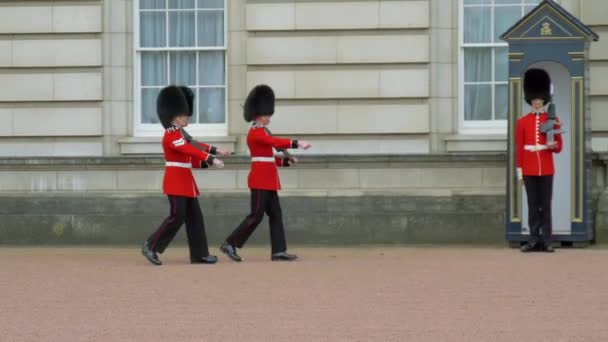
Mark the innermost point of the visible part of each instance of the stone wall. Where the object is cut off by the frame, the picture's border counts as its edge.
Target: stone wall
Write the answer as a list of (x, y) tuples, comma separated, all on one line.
[(454, 198)]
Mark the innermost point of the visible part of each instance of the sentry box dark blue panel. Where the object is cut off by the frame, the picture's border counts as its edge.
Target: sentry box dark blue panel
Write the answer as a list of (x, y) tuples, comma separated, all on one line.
[(551, 38)]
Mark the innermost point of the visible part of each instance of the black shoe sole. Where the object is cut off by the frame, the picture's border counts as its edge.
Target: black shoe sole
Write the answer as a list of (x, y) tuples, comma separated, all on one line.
[(283, 259), (231, 256), (151, 260), (203, 262)]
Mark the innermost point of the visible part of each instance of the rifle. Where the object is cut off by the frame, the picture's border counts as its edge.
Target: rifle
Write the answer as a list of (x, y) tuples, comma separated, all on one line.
[(193, 141), (549, 126)]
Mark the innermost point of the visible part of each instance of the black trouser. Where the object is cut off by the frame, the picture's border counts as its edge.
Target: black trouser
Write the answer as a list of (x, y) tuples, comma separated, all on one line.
[(262, 201), (539, 190), (183, 210)]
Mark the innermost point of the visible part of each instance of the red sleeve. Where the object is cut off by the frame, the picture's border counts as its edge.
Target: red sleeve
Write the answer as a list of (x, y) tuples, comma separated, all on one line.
[(178, 143), (519, 143), (260, 136), (198, 163), (558, 138), (282, 162), (205, 147)]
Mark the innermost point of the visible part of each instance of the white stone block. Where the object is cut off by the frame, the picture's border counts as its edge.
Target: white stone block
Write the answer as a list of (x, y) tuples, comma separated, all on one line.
[(368, 144), (6, 117), (215, 179), (54, 121), (140, 180), (328, 179), (74, 148), (119, 118), (599, 75), (80, 181), (375, 117), (237, 54), (237, 82), (32, 181), (599, 144), (77, 18), (451, 177), (355, 83), (599, 50), (271, 16), (56, 52), (119, 76), (6, 53), (334, 15), (289, 178), (282, 82), (442, 116), (476, 143), (593, 12), (129, 84), (78, 86), (410, 82), (443, 16), (118, 17), (118, 49), (236, 124), (305, 118), (54, 147), (291, 50), (443, 50), (494, 176), (26, 87), (389, 178), (237, 18), (386, 48), (599, 113), (26, 19), (241, 179), (404, 14)]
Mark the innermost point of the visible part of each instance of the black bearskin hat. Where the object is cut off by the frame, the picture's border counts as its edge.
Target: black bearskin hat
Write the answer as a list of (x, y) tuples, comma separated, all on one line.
[(170, 103), (537, 85), (260, 101), (189, 94)]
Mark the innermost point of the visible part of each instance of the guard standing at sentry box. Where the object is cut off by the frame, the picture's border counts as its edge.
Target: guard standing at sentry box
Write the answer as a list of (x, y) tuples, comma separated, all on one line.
[(534, 158)]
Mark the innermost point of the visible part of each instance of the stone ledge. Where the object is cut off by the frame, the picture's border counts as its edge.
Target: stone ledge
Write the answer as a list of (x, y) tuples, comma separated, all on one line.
[(152, 145), (157, 161), (476, 142), (239, 161)]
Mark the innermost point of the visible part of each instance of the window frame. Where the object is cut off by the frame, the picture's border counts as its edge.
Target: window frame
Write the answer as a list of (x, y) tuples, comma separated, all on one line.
[(492, 126), (154, 130)]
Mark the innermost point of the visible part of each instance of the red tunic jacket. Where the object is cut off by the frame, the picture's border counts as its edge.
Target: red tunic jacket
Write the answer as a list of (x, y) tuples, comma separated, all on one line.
[(180, 157), (533, 157), (264, 174)]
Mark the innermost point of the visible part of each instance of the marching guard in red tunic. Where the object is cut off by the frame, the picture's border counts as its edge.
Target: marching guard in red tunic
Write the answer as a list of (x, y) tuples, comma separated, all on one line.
[(535, 148), (263, 178), (174, 106)]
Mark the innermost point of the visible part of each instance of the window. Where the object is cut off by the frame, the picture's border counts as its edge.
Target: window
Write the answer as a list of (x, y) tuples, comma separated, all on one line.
[(484, 59), (181, 42)]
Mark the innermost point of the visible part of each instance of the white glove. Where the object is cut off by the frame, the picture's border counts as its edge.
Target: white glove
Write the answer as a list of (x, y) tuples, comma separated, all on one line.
[(305, 145), (218, 163), (520, 175), (292, 162), (223, 152)]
